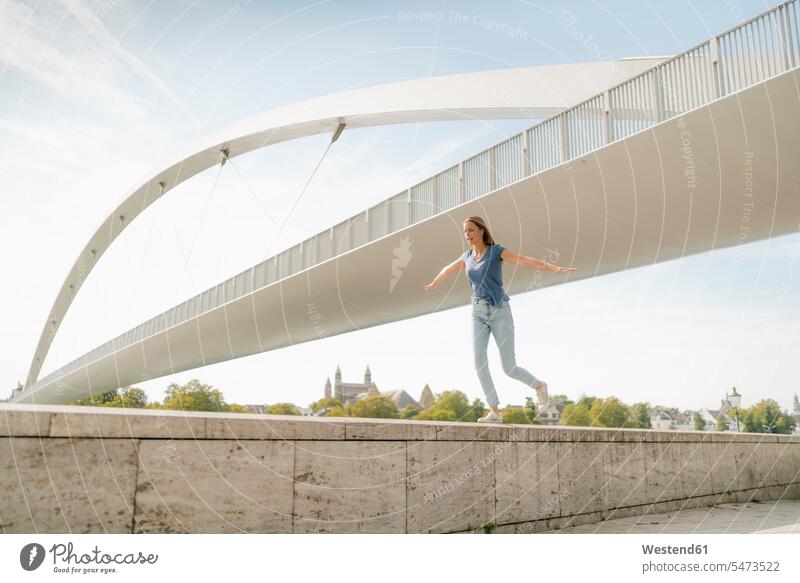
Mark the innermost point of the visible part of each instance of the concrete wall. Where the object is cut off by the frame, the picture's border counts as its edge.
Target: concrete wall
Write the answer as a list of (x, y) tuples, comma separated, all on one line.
[(76, 469)]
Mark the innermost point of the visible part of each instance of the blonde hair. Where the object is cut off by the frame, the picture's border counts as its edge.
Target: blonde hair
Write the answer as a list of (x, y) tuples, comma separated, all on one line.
[(478, 222)]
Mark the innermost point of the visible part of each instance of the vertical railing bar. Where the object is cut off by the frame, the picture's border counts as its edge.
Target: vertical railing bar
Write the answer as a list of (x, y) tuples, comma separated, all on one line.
[(766, 58), (746, 40), (704, 77), (787, 28), (766, 54), (700, 74), (734, 62), (756, 37), (641, 92), (461, 198), (782, 38), (703, 72), (697, 77), (623, 115), (654, 90), (790, 36), (724, 66), (716, 73), (692, 71), (752, 58), (677, 86), (686, 62), (686, 89), (775, 57), (746, 54), (630, 109), (658, 91), (790, 32), (737, 43)]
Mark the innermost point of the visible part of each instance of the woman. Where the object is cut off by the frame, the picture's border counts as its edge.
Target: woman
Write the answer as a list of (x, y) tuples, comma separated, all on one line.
[(491, 313)]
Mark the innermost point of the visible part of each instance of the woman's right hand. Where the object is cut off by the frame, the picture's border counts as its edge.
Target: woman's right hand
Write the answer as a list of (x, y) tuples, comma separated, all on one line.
[(432, 285)]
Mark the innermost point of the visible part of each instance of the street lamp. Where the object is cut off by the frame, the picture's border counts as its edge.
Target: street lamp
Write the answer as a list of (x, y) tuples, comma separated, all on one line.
[(735, 399)]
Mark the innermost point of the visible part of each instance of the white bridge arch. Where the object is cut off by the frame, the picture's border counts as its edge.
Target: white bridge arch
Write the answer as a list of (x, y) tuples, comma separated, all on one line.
[(532, 92)]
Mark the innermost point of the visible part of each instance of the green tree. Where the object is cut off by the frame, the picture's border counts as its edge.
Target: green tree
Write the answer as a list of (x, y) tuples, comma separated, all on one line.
[(193, 396), (431, 414), (283, 409), (559, 400), (96, 400), (334, 411), (376, 406), (722, 423), (125, 397), (766, 417), (476, 411), (575, 414), (532, 411), (610, 412), (452, 406), (410, 411), (639, 416), (514, 414), (236, 408), (697, 419), (323, 403)]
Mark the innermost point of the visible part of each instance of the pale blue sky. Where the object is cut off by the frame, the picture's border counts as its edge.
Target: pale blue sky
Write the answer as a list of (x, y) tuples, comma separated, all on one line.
[(96, 96)]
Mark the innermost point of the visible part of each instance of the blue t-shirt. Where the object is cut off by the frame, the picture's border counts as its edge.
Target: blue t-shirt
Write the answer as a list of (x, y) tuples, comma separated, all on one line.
[(486, 274)]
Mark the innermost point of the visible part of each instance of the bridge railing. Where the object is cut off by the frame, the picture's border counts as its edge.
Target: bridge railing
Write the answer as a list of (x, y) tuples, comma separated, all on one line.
[(745, 55)]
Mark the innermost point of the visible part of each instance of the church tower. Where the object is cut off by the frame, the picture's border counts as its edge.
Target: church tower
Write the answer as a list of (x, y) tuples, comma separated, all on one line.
[(796, 406), (337, 384), (426, 398), (367, 377), (328, 388)]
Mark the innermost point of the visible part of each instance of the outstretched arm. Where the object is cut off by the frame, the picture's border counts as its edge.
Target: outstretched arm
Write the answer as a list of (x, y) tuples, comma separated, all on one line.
[(532, 262), (454, 267)]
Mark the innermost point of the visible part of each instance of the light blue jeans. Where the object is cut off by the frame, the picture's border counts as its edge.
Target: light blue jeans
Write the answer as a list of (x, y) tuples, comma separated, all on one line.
[(498, 322)]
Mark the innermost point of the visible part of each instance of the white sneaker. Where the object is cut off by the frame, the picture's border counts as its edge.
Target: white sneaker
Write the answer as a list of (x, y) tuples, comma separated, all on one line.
[(541, 395), (490, 417)]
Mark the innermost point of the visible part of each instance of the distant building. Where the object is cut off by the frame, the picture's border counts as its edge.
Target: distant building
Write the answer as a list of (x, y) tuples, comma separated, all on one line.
[(352, 392), (426, 398), (551, 414), (684, 421), (709, 419), (662, 419), (728, 412)]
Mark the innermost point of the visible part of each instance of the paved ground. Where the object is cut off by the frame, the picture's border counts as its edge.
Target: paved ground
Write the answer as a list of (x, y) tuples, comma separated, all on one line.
[(781, 516)]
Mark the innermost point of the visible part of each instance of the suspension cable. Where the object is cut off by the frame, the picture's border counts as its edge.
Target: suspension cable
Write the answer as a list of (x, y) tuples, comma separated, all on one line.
[(252, 193), (203, 216), (336, 134)]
